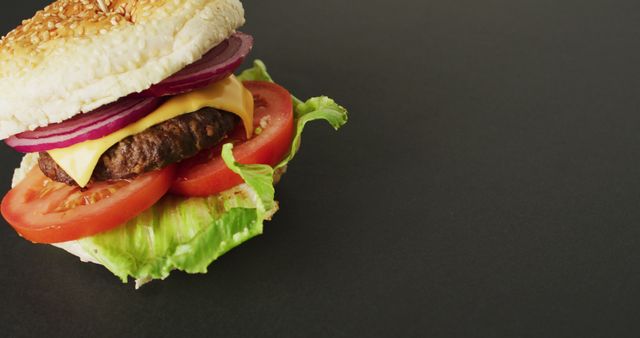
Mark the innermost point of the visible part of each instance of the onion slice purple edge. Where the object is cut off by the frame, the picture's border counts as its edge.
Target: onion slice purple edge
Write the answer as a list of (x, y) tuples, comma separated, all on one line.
[(80, 121), (94, 131), (215, 65)]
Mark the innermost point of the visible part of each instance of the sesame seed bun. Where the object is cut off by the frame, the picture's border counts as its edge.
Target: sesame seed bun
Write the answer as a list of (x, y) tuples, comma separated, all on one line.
[(77, 55)]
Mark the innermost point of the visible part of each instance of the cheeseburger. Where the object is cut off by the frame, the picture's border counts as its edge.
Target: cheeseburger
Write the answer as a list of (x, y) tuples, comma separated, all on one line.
[(143, 151)]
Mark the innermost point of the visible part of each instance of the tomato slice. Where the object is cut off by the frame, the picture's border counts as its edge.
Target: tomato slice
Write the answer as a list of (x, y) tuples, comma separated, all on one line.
[(207, 174), (45, 211)]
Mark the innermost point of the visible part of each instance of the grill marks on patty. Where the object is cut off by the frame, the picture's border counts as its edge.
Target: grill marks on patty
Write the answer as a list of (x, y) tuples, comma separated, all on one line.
[(155, 148)]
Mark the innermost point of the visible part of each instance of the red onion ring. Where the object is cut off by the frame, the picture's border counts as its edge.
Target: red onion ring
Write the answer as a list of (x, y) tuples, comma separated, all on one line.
[(84, 127), (215, 65)]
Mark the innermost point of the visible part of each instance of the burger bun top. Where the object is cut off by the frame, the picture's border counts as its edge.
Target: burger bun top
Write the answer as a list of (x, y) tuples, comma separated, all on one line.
[(77, 55)]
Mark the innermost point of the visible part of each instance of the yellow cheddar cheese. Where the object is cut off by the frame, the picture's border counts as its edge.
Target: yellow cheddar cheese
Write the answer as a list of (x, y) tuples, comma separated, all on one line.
[(79, 160)]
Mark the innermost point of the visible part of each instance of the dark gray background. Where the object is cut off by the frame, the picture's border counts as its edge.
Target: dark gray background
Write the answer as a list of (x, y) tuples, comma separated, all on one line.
[(488, 184)]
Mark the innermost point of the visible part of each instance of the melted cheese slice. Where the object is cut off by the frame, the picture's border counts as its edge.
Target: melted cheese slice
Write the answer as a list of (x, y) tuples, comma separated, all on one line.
[(79, 160)]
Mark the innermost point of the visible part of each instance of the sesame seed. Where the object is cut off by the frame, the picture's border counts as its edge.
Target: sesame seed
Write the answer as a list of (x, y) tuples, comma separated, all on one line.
[(103, 5), (77, 19)]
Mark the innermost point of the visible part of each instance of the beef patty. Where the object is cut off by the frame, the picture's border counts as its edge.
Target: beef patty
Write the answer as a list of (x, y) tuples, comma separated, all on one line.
[(155, 148)]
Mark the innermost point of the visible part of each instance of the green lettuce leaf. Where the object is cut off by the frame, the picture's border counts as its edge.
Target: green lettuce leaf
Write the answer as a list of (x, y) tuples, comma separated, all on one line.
[(256, 73), (178, 233), (188, 234)]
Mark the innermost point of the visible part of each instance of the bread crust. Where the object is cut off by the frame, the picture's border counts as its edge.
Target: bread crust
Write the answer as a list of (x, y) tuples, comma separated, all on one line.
[(73, 57)]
